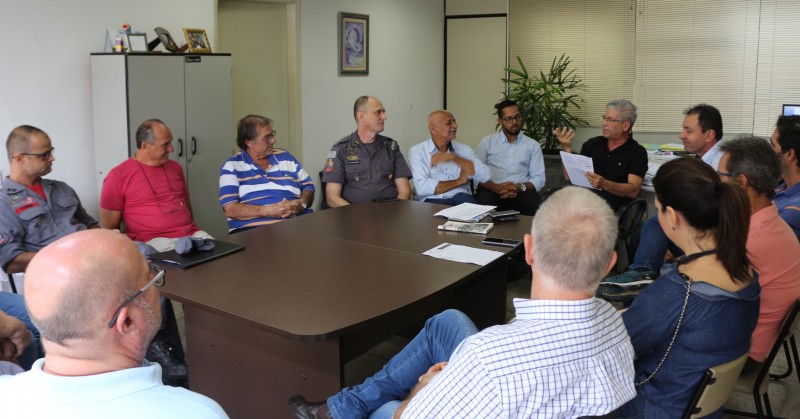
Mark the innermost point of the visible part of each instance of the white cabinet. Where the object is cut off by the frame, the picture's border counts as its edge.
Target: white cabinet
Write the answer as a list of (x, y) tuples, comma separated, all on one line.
[(191, 93)]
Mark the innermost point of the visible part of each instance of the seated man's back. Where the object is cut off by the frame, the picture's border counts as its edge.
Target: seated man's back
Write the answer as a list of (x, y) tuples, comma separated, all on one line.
[(558, 358)]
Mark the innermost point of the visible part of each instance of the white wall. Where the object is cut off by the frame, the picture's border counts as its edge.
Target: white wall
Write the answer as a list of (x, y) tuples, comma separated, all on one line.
[(45, 74), (406, 64)]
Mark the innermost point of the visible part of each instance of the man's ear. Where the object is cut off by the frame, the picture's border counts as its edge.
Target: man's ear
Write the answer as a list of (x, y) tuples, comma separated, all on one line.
[(612, 261), (742, 180), (791, 155), (528, 240), (710, 135)]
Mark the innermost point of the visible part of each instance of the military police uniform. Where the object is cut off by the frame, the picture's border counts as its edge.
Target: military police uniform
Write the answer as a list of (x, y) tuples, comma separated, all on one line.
[(28, 222), (366, 171)]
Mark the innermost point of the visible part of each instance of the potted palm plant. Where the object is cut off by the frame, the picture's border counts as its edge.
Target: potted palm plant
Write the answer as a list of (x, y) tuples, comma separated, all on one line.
[(546, 102)]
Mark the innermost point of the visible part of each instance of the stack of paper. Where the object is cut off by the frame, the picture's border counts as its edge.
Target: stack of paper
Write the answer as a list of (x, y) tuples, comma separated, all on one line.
[(479, 228), (470, 213)]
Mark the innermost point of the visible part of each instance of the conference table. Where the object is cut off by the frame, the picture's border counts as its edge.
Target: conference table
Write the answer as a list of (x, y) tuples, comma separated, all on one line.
[(309, 294)]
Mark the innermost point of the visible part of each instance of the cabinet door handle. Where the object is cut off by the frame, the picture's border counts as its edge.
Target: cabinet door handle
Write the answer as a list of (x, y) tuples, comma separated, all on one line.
[(194, 146), (180, 150)]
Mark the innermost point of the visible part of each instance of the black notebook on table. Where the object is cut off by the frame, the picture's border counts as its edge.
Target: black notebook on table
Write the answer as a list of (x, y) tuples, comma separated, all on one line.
[(196, 257)]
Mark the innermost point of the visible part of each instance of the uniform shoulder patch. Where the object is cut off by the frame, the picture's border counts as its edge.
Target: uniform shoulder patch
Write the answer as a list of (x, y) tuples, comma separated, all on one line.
[(328, 166)]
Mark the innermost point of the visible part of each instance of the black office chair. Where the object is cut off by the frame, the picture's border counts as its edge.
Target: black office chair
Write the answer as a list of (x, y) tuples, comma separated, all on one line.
[(543, 195), (756, 382), (714, 388), (630, 218), (324, 204)]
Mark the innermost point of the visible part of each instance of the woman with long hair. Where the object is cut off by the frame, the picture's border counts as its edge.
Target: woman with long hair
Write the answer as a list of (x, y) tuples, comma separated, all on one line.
[(703, 312)]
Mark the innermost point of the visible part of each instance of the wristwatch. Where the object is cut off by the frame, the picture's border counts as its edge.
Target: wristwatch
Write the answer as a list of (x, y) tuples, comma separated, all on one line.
[(522, 187), (303, 204)]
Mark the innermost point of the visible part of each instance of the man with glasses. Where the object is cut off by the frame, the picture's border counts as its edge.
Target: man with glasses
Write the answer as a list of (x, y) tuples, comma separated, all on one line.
[(34, 212), (516, 164), (620, 163), (91, 296), (443, 167), (148, 192), (262, 184)]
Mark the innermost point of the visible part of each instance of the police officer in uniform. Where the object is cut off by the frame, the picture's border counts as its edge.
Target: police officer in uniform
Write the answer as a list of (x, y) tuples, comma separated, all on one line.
[(366, 165), (33, 211)]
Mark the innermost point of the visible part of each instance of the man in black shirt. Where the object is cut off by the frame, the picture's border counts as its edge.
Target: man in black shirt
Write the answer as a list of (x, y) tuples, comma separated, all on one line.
[(620, 163)]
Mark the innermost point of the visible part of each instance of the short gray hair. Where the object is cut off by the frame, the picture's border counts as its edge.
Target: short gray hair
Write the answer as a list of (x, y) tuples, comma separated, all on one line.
[(144, 134), (626, 108), (574, 233)]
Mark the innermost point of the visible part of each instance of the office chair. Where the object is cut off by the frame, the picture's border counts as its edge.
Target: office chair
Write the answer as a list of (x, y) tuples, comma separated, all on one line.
[(324, 204), (714, 388), (756, 382), (630, 217)]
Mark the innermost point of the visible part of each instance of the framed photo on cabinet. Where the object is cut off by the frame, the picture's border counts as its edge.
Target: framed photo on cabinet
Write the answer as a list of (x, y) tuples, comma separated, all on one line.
[(197, 40)]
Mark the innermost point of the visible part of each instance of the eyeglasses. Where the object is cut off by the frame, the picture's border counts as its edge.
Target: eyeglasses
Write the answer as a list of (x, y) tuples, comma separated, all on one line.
[(158, 280), (607, 119), (726, 174), (270, 136), (44, 156), (512, 118)]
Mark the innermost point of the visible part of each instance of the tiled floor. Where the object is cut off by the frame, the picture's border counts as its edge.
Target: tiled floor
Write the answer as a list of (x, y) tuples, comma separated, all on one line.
[(784, 395)]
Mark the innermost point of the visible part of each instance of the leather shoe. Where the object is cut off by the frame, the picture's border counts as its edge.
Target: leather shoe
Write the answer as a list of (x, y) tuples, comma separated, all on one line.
[(174, 371), (303, 409)]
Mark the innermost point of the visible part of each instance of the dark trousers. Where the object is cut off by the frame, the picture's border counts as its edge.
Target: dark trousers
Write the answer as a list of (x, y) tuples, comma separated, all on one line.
[(525, 202)]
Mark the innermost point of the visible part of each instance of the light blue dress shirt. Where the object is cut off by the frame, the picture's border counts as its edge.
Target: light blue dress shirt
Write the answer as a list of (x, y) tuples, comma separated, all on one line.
[(426, 177), (517, 162)]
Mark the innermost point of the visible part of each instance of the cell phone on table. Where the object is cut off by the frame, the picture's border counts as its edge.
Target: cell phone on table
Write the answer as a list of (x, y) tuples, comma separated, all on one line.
[(497, 214), (494, 241)]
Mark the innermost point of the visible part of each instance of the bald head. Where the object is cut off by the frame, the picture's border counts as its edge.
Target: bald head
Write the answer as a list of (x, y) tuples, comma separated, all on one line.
[(73, 285), (442, 126)]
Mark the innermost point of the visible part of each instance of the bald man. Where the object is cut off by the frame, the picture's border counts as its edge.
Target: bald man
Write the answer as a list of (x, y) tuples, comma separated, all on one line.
[(91, 296), (441, 167)]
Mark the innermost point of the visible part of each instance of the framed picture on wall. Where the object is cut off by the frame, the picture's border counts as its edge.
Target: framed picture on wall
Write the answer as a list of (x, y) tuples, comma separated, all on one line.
[(353, 44), (197, 40)]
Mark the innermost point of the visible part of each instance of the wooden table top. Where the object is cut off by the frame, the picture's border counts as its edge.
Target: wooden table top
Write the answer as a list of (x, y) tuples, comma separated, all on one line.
[(331, 272)]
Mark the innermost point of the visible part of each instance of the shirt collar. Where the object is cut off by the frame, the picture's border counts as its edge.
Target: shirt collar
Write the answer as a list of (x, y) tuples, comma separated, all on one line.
[(556, 309), (431, 146)]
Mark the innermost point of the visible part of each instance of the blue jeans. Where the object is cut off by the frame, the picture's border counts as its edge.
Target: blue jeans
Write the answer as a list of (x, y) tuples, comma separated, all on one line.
[(456, 199), (14, 306), (433, 344), (653, 245)]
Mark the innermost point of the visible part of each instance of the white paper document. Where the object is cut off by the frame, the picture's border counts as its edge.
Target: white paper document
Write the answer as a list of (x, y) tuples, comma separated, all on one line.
[(463, 254), (465, 212), (577, 166)]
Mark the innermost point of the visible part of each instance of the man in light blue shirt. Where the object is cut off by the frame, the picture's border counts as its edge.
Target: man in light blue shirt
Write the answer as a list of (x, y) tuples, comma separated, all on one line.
[(516, 164), (441, 167)]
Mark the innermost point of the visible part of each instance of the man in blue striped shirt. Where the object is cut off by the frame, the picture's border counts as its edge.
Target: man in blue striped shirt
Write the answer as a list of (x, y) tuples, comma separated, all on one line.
[(262, 184), (567, 354)]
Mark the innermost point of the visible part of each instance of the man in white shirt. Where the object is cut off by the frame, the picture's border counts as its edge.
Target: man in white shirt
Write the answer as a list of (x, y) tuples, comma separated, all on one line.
[(516, 164), (91, 295), (442, 167), (567, 354)]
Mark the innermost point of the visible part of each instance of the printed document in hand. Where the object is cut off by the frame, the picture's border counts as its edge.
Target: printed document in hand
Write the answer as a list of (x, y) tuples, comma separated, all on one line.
[(463, 254), (466, 212), (577, 166)]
